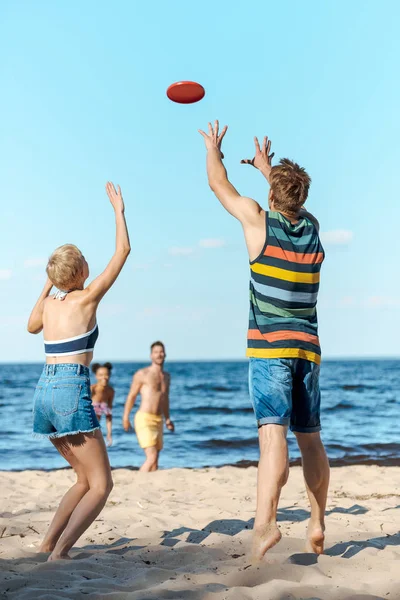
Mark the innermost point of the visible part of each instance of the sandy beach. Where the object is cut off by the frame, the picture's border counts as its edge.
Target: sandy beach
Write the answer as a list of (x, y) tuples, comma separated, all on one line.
[(186, 534)]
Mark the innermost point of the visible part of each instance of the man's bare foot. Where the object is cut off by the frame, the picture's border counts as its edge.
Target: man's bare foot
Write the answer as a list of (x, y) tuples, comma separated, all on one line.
[(264, 538), (315, 538), (55, 556)]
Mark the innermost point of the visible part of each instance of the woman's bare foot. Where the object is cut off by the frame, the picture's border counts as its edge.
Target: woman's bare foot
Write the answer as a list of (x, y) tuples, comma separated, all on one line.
[(55, 556), (264, 538), (46, 548), (315, 538)]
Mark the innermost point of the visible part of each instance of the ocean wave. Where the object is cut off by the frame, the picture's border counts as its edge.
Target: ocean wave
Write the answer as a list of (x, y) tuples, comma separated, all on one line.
[(206, 387), (340, 406), (219, 443), (220, 409), (356, 387)]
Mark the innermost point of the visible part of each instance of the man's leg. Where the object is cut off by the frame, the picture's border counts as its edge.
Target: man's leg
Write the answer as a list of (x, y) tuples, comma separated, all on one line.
[(270, 388), (151, 462), (273, 473), (306, 424), (316, 475)]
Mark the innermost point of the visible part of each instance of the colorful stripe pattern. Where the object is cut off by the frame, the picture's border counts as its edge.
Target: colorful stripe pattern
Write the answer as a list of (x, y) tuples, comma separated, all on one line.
[(283, 292)]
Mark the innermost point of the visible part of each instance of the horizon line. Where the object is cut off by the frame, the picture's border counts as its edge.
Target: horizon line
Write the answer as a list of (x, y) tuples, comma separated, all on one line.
[(206, 360)]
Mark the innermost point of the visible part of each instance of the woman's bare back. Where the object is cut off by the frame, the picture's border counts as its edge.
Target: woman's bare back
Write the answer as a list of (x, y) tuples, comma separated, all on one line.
[(67, 318)]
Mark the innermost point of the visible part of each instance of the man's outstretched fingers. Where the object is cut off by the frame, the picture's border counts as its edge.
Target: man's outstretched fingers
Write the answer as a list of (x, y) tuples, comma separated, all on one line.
[(221, 135)]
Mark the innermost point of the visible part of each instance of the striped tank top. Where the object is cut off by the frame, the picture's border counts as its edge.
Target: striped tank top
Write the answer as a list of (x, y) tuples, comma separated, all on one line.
[(283, 291)]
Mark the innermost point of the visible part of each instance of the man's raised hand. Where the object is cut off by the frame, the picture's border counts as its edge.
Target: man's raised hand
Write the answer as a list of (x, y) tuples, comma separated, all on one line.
[(213, 139), (262, 159)]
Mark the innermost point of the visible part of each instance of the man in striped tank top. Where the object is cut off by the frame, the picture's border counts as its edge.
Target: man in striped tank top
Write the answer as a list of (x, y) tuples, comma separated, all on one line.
[(285, 260)]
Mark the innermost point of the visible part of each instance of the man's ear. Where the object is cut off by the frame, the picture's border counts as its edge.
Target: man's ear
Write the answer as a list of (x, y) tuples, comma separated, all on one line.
[(271, 199)]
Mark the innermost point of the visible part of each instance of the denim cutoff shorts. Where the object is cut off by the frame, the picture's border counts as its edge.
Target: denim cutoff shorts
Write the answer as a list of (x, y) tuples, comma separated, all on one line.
[(285, 391), (62, 403)]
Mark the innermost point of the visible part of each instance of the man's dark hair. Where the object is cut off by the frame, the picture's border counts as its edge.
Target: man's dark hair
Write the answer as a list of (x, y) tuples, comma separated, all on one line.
[(97, 366), (158, 343)]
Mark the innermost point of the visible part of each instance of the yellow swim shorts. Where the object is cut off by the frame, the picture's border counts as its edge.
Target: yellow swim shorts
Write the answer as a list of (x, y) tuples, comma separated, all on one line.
[(149, 430)]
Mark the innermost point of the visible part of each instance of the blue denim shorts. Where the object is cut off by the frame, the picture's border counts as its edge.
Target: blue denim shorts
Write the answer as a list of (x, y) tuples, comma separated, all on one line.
[(62, 403), (285, 391)]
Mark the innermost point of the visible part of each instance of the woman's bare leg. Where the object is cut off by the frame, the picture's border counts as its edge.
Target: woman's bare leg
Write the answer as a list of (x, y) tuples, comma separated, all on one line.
[(92, 458), (69, 501)]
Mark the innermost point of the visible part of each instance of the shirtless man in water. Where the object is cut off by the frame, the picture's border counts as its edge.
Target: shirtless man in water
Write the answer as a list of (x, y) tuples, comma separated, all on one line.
[(152, 383)]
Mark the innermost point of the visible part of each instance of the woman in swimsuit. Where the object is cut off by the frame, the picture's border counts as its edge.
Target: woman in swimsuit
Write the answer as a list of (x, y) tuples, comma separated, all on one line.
[(103, 396), (63, 410)]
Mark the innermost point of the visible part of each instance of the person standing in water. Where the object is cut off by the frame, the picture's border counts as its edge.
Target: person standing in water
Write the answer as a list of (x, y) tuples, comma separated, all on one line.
[(285, 255), (63, 410), (152, 383), (103, 395)]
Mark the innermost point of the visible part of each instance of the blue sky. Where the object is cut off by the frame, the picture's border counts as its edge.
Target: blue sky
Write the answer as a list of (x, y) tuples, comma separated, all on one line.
[(83, 101)]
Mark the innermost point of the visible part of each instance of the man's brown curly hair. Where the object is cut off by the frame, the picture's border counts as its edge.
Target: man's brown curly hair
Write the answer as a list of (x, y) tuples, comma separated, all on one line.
[(289, 184)]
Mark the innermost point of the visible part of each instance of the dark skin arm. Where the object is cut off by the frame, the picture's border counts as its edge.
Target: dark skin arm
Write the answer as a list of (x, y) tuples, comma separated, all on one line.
[(109, 417)]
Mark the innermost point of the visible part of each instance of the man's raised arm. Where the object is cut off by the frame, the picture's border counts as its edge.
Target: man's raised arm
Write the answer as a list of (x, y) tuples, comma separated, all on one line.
[(242, 208), (262, 162)]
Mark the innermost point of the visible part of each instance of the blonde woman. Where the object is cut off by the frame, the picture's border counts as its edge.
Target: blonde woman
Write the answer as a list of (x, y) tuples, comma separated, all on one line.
[(63, 410)]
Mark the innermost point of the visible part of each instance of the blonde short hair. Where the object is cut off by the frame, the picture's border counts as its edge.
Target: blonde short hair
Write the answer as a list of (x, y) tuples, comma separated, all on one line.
[(65, 266)]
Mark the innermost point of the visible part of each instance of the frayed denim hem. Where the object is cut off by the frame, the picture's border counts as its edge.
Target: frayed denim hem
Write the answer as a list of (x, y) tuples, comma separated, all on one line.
[(55, 435)]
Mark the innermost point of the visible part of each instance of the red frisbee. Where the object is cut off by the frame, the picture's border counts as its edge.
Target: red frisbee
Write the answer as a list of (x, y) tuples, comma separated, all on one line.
[(185, 92)]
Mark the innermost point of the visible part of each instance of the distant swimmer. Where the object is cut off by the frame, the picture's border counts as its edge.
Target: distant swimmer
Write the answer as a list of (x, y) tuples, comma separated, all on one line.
[(152, 383), (103, 396)]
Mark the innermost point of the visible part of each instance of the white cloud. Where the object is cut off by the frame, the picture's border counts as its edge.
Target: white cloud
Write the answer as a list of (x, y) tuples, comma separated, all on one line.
[(144, 266), (141, 266), (337, 237), (178, 312), (38, 277), (189, 250), (31, 263), (212, 243), (347, 302), (5, 274), (359, 302), (180, 251), (382, 302), (112, 309)]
